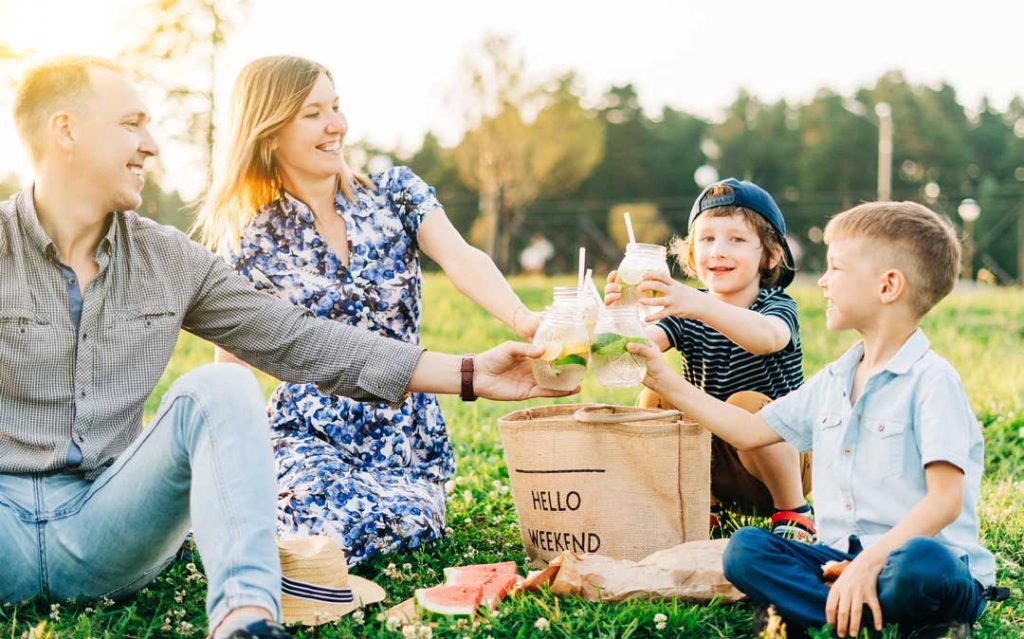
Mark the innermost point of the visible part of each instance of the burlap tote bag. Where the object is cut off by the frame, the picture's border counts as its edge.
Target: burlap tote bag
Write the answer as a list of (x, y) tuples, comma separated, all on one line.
[(616, 481)]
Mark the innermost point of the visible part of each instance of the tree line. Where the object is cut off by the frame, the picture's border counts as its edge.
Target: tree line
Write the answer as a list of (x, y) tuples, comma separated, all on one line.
[(537, 157)]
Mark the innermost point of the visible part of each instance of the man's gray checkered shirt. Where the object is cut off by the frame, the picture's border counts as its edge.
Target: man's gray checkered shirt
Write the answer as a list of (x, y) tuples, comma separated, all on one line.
[(59, 386)]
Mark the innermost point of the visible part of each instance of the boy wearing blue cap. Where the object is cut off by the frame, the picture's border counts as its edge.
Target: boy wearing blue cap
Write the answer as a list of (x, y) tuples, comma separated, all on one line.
[(740, 342), (898, 453)]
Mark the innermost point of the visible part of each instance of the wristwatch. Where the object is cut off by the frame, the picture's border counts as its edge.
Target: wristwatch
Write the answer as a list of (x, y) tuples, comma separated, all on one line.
[(466, 392)]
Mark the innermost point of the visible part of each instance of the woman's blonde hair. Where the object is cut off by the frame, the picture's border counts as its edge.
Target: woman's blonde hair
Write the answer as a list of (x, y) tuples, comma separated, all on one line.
[(267, 95)]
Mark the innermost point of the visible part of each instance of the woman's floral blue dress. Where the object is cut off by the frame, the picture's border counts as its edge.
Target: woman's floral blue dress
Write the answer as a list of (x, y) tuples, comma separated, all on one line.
[(366, 474)]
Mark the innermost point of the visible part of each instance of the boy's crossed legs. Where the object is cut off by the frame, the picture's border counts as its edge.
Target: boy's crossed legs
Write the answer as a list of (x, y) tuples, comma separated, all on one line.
[(205, 461), (922, 582)]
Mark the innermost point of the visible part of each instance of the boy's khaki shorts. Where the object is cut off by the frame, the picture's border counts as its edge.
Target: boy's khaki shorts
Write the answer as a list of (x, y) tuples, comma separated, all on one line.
[(732, 485)]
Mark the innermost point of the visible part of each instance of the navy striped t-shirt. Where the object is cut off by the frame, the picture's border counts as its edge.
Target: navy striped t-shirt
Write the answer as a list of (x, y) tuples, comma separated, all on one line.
[(712, 362)]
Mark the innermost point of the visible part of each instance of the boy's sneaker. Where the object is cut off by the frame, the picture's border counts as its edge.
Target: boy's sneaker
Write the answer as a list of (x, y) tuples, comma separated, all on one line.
[(951, 630), (715, 521), (261, 629), (789, 524), (713, 517)]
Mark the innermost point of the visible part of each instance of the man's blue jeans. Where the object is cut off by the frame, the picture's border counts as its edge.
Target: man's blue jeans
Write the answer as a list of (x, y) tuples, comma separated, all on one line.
[(922, 582), (203, 462)]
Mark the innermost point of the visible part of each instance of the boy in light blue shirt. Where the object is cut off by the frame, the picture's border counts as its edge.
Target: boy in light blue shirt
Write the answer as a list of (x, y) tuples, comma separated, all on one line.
[(898, 453)]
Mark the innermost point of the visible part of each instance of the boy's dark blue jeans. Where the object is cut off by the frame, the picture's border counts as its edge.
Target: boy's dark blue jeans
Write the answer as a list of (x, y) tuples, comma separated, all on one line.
[(922, 582)]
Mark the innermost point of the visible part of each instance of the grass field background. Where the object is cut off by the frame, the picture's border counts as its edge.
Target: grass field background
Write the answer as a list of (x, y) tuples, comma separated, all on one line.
[(980, 331)]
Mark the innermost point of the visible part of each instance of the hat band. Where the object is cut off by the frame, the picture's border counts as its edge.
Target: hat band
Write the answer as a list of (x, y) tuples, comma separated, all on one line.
[(725, 199), (302, 590)]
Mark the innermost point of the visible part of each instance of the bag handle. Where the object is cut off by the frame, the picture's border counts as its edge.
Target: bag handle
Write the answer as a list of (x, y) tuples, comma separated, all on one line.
[(590, 415)]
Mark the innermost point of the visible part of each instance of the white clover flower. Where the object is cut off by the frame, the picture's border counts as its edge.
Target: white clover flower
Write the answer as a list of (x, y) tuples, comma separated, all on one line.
[(660, 625), (660, 618), (425, 632), (393, 623), (409, 632), (542, 624), (359, 617)]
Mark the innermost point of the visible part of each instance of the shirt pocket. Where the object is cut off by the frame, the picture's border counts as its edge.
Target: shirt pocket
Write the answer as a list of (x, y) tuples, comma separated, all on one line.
[(144, 340), (31, 351), (827, 436), (882, 445)]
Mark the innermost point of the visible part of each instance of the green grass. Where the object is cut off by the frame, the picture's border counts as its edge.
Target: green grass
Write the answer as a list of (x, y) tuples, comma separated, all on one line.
[(981, 332)]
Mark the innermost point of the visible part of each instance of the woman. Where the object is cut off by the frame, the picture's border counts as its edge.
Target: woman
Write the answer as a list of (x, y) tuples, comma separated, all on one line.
[(291, 215)]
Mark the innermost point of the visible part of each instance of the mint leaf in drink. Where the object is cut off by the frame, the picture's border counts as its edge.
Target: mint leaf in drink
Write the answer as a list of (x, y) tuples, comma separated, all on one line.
[(569, 360), (604, 339)]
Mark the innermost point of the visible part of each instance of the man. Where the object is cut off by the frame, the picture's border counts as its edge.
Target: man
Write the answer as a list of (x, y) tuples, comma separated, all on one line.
[(92, 298)]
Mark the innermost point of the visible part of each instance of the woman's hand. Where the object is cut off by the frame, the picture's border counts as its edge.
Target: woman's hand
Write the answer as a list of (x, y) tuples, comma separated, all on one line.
[(504, 373), (675, 298), (526, 322)]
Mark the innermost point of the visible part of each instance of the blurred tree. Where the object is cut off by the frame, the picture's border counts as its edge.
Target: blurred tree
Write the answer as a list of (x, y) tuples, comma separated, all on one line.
[(758, 142), (839, 149), (437, 166), (165, 207), (675, 154), (523, 141), (930, 140), (624, 169), (178, 51)]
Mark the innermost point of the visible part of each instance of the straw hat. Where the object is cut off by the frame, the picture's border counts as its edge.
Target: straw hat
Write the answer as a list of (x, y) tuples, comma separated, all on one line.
[(315, 585)]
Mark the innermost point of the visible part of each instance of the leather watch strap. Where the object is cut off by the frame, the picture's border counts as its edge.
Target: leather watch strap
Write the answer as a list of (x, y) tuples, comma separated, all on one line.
[(466, 392)]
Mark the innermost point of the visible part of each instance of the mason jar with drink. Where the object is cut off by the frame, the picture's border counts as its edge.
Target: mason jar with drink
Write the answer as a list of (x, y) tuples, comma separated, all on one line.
[(617, 327), (566, 342), (640, 259)]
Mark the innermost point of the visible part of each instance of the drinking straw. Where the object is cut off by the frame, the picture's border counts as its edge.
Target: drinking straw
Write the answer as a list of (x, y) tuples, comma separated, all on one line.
[(588, 283), (629, 228), (583, 266)]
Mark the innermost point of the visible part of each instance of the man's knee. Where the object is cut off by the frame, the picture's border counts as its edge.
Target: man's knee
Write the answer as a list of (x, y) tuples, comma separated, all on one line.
[(226, 394), (219, 380), (230, 387)]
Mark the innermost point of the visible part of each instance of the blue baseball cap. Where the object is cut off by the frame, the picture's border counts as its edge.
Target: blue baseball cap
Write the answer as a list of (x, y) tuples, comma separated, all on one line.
[(749, 196)]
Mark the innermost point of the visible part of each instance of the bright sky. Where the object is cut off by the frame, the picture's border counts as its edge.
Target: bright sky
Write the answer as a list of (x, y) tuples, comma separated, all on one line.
[(396, 61)]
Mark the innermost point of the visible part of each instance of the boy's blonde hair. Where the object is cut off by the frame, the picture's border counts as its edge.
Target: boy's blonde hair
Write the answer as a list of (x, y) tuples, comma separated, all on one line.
[(773, 258), (55, 85), (923, 245), (268, 94)]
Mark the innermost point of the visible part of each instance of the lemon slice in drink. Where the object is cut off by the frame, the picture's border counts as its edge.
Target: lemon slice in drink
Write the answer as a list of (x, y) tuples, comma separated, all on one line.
[(552, 350), (574, 348), (631, 277)]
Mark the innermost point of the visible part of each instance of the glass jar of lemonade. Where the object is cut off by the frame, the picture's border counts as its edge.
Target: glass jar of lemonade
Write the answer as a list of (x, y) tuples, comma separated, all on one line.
[(640, 259), (563, 334), (613, 364), (584, 302)]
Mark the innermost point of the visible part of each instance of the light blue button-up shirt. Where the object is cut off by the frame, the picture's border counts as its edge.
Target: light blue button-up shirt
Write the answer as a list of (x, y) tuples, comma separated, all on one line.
[(869, 457)]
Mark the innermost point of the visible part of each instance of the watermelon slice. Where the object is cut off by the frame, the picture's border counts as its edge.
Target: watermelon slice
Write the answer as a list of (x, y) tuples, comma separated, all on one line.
[(475, 573), (449, 601), (495, 588)]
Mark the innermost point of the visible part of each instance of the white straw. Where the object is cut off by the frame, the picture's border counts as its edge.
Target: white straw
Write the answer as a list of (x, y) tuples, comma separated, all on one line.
[(583, 266), (588, 283), (629, 228)]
